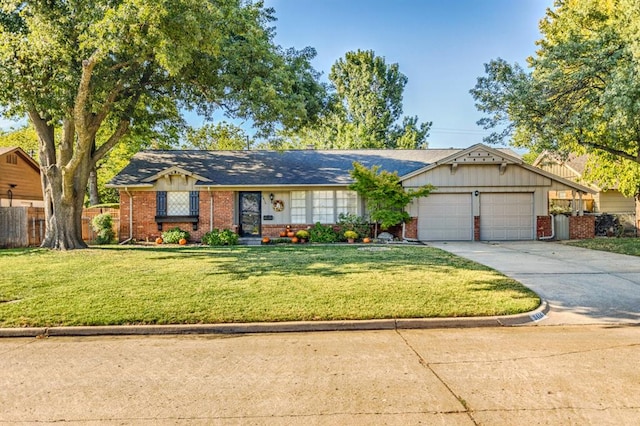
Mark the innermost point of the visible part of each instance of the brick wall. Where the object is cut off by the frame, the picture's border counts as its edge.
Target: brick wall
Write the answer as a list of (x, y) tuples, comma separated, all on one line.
[(581, 227), (145, 227), (476, 228), (411, 229), (543, 226)]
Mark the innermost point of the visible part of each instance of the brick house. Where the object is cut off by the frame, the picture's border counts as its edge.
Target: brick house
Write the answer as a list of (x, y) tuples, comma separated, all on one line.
[(482, 193)]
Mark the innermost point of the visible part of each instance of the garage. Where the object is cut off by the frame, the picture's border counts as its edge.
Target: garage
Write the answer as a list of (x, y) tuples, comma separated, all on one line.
[(506, 216), (445, 217)]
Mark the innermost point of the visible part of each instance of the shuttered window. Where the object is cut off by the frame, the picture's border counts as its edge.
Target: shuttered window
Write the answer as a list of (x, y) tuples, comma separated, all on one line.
[(177, 203)]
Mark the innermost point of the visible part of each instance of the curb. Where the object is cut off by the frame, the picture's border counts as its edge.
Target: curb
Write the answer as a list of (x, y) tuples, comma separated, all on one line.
[(282, 327)]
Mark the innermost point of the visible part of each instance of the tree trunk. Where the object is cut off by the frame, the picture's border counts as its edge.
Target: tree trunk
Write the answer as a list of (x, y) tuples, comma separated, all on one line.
[(63, 211), (94, 196)]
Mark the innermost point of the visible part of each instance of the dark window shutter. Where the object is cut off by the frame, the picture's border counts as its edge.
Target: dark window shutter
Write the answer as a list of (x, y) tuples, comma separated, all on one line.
[(194, 203), (161, 203)]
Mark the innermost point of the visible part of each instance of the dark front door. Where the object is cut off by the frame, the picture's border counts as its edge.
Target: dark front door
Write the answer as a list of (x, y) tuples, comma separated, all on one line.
[(250, 211)]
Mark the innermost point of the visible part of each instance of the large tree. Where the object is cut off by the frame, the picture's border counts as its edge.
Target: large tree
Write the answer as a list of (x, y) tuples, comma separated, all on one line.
[(88, 72), (365, 109), (581, 94)]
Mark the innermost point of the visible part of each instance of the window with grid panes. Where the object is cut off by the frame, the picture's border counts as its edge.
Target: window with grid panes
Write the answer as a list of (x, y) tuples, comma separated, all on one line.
[(178, 203), (323, 207), (298, 207), (346, 202)]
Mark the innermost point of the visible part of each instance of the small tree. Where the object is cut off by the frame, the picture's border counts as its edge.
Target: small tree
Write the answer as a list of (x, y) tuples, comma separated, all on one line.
[(385, 197)]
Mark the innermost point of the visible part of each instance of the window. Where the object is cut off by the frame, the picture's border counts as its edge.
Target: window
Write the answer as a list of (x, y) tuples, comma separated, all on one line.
[(177, 203), (323, 206), (298, 207), (12, 158)]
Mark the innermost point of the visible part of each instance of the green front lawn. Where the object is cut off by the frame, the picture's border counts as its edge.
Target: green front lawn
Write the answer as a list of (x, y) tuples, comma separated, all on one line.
[(176, 285), (615, 245)]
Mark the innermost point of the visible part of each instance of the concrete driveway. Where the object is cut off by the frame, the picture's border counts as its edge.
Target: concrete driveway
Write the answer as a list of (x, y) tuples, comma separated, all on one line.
[(581, 286)]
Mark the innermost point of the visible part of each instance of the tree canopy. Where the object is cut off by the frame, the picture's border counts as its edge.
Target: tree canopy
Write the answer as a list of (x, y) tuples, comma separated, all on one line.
[(582, 92), (364, 109), (89, 72), (384, 194)]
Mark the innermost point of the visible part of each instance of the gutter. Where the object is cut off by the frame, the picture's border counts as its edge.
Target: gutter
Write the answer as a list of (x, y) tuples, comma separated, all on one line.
[(553, 230), (126, 190)]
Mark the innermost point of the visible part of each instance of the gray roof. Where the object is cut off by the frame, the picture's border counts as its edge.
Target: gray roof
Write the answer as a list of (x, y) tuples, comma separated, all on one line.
[(274, 168)]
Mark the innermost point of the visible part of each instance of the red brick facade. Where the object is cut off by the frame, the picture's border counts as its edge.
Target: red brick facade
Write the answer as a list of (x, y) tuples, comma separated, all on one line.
[(582, 227), (476, 228), (543, 226), (145, 227)]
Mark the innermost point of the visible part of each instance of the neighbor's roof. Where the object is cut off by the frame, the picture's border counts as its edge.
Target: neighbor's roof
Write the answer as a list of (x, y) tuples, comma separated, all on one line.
[(274, 168)]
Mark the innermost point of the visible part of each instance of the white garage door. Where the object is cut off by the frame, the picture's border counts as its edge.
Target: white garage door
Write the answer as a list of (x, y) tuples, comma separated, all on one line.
[(445, 217), (506, 216)]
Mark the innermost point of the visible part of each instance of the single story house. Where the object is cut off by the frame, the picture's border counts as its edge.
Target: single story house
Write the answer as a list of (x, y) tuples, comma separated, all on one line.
[(482, 193), (20, 184), (572, 168)]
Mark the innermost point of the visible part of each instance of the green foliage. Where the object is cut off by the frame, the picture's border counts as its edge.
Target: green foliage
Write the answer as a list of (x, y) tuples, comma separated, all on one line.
[(582, 93), (302, 234), (352, 222), (23, 137), (320, 233), (225, 237), (219, 136), (385, 196), (365, 110), (350, 235), (102, 225), (174, 235)]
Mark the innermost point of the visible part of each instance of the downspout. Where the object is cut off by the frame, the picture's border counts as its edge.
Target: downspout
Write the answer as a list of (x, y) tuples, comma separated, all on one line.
[(210, 209), (126, 191), (553, 230)]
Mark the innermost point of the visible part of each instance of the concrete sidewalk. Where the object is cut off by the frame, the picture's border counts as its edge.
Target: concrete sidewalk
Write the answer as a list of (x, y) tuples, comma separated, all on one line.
[(581, 286), (490, 376)]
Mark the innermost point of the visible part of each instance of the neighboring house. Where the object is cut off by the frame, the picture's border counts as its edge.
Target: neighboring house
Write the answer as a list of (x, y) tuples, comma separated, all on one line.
[(602, 201), (20, 184), (482, 193)]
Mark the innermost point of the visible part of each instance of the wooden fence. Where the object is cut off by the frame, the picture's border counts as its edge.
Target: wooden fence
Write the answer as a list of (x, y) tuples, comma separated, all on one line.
[(25, 226)]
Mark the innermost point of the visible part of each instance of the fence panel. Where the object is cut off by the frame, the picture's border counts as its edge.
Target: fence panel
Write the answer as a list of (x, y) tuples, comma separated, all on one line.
[(88, 234), (13, 227)]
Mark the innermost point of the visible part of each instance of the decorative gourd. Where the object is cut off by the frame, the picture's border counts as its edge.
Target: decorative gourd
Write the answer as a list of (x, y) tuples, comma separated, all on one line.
[(366, 240), (182, 241), (266, 240), (158, 240), (294, 240)]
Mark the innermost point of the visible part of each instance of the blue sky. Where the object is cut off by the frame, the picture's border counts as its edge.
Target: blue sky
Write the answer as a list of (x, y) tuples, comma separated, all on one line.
[(440, 45)]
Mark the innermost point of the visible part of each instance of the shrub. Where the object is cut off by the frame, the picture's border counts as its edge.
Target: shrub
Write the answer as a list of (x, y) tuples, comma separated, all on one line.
[(174, 235), (103, 227), (320, 233), (352, 222), (226, 237), (350, 235), (302, 234)]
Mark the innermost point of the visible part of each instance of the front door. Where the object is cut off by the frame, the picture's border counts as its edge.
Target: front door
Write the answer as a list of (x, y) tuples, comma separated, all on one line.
[(250, 212)]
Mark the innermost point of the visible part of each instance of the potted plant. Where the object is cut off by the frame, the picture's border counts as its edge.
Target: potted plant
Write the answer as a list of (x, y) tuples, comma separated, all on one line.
[(350, 236), (302, 235)]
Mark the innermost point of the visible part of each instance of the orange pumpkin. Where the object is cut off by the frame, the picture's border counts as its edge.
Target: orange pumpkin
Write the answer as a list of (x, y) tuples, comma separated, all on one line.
[(182, 241), (158, 240), (291, 234), (366, 240), (283, 233), (266, 240), (294, 240)]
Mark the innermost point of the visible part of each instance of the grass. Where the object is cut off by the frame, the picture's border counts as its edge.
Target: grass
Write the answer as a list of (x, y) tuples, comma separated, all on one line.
[(615, 245), (171, 285)]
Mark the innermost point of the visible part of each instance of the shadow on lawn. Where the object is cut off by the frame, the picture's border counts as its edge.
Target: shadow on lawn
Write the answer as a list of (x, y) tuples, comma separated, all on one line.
[(242, 262)]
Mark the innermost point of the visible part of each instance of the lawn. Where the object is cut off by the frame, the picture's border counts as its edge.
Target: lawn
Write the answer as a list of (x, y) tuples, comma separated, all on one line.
[(616, 245), (189, 285)]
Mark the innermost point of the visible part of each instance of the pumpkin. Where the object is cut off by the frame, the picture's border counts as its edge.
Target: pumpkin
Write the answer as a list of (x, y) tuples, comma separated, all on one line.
[(283, 233), (366, 240), (159, 240), (291, 234), (294, 240), (182, 241), (266, 240)]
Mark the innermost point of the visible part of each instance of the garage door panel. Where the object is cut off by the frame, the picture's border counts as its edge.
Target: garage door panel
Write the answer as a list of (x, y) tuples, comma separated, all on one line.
[(506, 216), (445, 217)]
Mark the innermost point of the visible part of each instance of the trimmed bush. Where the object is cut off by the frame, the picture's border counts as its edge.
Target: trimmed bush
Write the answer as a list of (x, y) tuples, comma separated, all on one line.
[(352, 222), (226, 237), (103, 226), (174, 235), (320, 233)]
